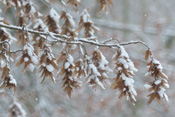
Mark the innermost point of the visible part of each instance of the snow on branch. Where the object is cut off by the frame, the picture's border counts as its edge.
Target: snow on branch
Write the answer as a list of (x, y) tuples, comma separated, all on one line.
[(59, 37)]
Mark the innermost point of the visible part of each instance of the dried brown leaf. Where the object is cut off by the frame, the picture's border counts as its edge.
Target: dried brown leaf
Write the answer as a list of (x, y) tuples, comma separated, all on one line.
[(3, 85), (147, 54), (62, 71), (53, 64), (20, 61), (149, 63), (113, 86), (63, 55), (158, 99), (152, 96), (43, 80), (163, 75), (68, 89), (79, 28)]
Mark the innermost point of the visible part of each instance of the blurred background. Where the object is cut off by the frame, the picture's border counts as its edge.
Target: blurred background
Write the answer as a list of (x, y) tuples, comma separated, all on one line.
[(151, 21)]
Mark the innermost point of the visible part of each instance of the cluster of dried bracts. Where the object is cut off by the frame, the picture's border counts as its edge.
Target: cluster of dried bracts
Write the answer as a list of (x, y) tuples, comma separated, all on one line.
[(8, 80), (104, 4), (124, 69), (160, 83), (90, 68), (16, 110)]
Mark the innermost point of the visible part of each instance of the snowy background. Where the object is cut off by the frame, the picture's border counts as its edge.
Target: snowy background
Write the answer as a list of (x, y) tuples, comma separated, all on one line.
[(151, 21)]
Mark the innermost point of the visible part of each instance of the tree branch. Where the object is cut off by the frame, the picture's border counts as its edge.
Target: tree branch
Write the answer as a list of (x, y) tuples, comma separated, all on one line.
[(76, 39)]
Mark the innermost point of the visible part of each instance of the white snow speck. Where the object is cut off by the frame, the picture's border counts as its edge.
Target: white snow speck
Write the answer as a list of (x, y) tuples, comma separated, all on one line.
[(166, 85), (124, 89), (99, 83), (123, 52), (94, 69), (103, 62), (2, 63), (166, 97), (54, 15), (34, 59), (82, 51), (161, 91), (85, 15), (129, 82), (70, 59), (71, 78), (26, 59), (50, 68), (147, 86), (39, 22), (66, 65), (165, 75), (12, 80), (133, 97), (104, 75), (77, 69), (29, 49), (158, 63), (31, 67), (158, 81)]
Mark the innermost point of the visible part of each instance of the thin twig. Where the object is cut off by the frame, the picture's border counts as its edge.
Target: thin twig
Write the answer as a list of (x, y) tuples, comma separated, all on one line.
[(20, 50), (138, 42)]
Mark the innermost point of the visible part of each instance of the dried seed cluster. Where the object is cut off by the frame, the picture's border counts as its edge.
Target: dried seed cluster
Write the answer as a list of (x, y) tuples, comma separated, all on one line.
[(16, 110), (86, 23), (5, 39), (68, 25), (104, 4), (160, 83), (8, 80), (28, 57), (52, 21), (68, 68), (97, 69), (39, 41), (125, 69), (47, 64)]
